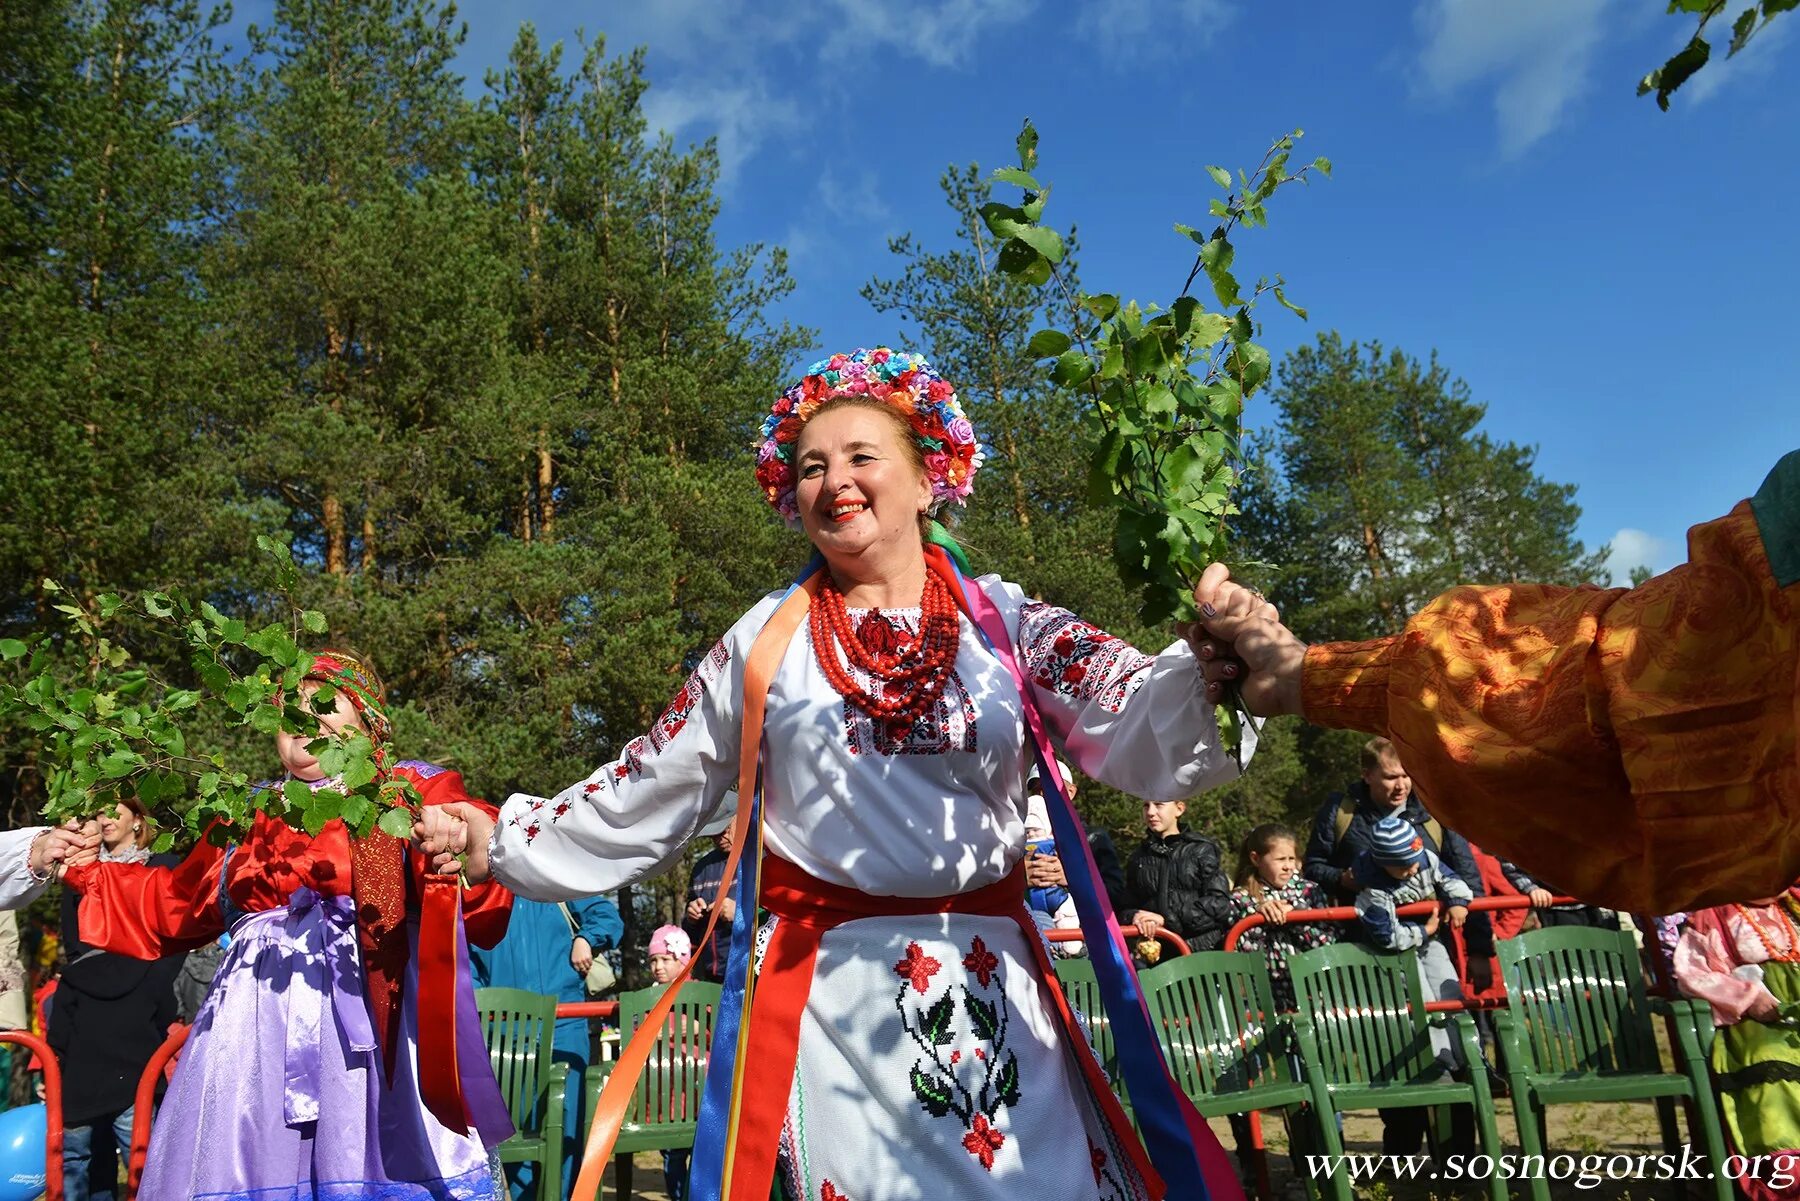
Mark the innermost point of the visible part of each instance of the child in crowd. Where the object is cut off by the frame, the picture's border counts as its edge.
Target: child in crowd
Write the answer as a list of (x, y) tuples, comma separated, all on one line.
[(670, 949), (1269, 882), (1176, 880), (1052, 908), (1397, 870)]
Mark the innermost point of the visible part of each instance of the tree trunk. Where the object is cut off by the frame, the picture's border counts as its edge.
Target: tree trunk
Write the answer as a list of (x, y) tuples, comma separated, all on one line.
[(628, 937), (546, 487), (522, 518), (1378, 574), (368, 543), (337, 555)]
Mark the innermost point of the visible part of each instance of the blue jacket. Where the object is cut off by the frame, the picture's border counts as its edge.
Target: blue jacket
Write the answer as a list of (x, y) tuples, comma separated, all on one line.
[(1382, 894), (534, 955)]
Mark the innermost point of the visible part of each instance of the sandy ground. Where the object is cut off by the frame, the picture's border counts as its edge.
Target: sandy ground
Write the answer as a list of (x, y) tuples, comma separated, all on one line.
[(1602, 1130)]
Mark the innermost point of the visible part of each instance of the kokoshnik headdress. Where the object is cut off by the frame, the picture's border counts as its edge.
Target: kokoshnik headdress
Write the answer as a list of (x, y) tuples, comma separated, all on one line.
[(358, 681), (903, 381)]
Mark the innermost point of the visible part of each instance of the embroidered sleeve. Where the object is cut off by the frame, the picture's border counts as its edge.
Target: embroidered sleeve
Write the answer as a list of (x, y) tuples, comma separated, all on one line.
[(1138, 722), (17, 885), (631, 817)]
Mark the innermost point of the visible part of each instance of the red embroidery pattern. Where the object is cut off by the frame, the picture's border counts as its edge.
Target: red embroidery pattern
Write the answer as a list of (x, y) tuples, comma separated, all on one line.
[(948, 725), (980, 961), (1065, 654), (829, 1192), (1098, 1158), (983, 1140), (917, 968), (681, 706), (936, 1082)]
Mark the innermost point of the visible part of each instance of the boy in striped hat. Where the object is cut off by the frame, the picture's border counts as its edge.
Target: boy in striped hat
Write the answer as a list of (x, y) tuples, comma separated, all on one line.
[(1400, 870)]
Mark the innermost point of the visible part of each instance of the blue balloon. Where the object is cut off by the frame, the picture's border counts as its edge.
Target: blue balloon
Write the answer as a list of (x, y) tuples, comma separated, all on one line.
[(23, 1132)]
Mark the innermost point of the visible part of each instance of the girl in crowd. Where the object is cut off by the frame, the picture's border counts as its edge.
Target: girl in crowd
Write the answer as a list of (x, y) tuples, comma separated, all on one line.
[(1269, 882), (903, 1038), (287, 1089), (670, 951)]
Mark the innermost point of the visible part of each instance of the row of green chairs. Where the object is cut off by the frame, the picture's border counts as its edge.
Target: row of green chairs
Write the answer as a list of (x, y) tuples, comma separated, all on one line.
[(1579, 1030), (519, 1028)]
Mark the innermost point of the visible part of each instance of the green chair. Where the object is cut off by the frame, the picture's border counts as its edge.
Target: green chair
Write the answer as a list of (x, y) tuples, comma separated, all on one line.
[(518, 1027), (1225, 1043), (666, 1106), (1580, 1030), (1082, 989), (1365, 1043)]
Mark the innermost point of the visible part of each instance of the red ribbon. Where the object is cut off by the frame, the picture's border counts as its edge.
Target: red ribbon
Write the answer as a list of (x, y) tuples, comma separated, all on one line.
[(440, 1082)]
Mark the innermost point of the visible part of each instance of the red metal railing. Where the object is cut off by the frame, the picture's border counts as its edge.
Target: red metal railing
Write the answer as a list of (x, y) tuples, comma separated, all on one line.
[(144, 1104), (53, 1133), (1347, 913), (1163, 934)]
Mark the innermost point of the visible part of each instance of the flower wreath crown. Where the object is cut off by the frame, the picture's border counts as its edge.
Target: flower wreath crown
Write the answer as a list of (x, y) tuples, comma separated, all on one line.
[(902, 380)]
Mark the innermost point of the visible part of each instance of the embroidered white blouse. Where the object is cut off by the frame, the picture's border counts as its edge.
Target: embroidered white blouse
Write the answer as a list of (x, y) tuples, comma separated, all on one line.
[(937, 812)]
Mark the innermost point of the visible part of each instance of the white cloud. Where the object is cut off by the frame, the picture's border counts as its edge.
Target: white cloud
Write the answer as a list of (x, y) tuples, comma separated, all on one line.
[(742, 115), (940, 35), (1136, 30), (1536, 55), (855, 198), (1635, 548)]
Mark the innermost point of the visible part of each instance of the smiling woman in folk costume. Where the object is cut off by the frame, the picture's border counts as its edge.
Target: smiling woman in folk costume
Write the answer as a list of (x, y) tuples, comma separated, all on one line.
[(902, 1034), (318, 1067)]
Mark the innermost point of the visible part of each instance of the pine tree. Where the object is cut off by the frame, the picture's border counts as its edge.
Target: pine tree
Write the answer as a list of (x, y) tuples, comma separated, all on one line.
[(105, 204)]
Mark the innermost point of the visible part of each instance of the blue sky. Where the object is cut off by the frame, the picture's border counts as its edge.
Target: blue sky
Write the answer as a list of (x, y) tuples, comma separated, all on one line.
[(1612, 281)]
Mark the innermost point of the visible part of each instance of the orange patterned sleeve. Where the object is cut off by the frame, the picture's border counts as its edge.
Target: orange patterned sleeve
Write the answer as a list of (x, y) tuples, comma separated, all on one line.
[(1635, 748)]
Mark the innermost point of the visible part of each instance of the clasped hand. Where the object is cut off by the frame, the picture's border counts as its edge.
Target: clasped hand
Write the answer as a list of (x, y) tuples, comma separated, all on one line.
[(454, 838), (1239, 639)]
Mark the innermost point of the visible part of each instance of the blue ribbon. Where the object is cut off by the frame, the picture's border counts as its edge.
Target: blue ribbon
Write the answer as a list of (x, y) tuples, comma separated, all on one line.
[(1157, 1105), (320, 929)]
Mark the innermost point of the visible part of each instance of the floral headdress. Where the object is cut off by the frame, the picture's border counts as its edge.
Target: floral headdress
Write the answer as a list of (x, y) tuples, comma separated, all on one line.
[(358, 681), (903, 381)]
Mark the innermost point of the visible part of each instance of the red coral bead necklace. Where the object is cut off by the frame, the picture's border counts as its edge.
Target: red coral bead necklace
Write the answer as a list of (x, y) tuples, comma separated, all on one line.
[(908, 677)]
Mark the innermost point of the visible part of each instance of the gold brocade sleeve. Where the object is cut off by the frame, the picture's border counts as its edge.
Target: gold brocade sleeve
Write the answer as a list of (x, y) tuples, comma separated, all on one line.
[(1634, 748)]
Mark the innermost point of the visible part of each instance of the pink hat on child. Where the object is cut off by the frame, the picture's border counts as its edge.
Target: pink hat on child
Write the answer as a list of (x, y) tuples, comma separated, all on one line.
[(672, 940)]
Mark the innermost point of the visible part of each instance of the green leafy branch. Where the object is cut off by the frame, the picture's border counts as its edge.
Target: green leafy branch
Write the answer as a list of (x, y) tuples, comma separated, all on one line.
[(1687, 61), (112, 728), (1166, 387)]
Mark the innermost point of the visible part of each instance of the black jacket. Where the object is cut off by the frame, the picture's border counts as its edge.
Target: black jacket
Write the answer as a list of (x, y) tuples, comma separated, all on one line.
[(709, 956), (1327, 855), (1181, 878), (111, 1014), (1112, 876)]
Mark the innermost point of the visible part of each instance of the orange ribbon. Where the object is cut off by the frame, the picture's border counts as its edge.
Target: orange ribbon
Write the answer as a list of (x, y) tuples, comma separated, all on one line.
[(634, 1057)]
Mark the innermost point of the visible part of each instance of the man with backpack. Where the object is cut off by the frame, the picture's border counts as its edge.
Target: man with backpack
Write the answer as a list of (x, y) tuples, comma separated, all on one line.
[(1345, 826)]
